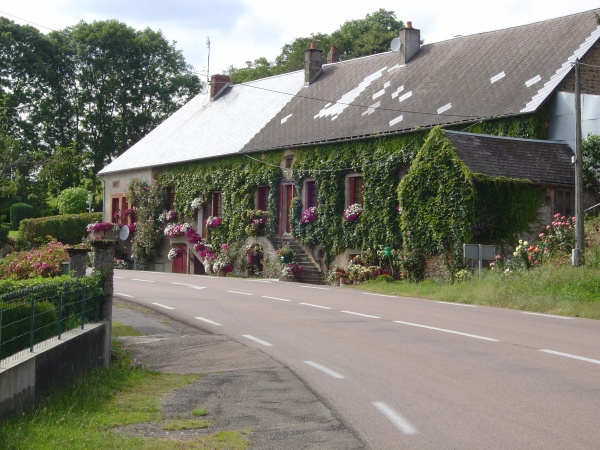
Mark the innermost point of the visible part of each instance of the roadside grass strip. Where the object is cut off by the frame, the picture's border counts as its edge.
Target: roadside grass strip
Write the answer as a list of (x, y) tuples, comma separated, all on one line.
[(474, 336), (212, 322), (162, 306), (324, 369), (568, 355), (400, 422), (257, 340)]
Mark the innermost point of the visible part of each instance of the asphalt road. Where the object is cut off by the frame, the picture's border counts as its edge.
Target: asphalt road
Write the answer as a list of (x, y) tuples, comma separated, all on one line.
[(404, 372)]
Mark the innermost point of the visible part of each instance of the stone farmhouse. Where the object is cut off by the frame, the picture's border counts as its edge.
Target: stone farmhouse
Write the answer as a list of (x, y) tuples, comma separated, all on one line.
[(342, 133)]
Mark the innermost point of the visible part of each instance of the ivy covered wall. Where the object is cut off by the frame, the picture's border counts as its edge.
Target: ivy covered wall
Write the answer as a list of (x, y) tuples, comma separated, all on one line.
[(464, 212)]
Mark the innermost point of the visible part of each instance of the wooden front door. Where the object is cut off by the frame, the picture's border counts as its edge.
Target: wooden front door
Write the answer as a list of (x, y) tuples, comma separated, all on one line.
[(286, 195), (180, 261)]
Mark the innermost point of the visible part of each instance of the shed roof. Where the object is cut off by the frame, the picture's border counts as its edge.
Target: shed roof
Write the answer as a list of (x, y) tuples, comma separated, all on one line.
[(543, 162)]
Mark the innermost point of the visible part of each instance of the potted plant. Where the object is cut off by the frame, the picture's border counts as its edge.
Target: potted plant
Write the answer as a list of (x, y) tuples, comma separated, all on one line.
[(286, 254), (291, 272)]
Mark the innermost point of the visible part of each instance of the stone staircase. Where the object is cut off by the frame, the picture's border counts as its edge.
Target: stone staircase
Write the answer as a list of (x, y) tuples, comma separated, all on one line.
[(311, 274)]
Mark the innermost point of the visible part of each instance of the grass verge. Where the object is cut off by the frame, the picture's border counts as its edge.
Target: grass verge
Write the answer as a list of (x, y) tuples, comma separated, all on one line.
[(548, 289), (85, 415)]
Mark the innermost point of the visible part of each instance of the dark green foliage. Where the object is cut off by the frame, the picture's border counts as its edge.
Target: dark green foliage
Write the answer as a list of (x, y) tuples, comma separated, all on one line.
[(504, 208), (4, 229), (18, 212), (16, 322), (53, 297), (437, 198), (590, 149), (68, 229)]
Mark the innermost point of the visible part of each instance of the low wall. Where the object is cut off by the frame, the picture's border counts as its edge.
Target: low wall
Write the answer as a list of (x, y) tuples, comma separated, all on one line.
[(29, 376)]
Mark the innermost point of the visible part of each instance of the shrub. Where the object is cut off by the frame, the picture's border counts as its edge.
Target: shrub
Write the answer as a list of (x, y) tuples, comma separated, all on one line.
[(16, 320), (73, 200), (3, 234), (18, 212), (44, 262), (68, 229)]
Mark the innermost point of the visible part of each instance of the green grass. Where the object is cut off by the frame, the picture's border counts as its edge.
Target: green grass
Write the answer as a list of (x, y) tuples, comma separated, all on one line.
[(185, 424), (562, 290), (13, 234), (199, 412), (84, 416), (120, 330)]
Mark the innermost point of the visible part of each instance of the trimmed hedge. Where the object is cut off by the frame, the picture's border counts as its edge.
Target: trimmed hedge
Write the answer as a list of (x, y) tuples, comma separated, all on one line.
[(16, 322), (69, 228), (19, 212)]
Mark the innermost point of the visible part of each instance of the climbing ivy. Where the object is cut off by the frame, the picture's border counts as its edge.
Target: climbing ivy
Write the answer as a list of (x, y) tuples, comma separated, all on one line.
[(437, 199), (237, 178)]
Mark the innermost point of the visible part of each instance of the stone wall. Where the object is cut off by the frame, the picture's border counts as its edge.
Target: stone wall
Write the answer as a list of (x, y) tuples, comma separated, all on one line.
[(435, 268)]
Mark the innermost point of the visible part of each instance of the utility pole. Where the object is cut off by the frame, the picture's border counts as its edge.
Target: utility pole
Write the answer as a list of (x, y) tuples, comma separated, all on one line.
[(577, 255)]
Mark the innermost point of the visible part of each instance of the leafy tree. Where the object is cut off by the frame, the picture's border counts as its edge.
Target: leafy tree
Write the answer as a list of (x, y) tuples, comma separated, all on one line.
[(73, 200), (590, 149), (64, 169), (353, 39)]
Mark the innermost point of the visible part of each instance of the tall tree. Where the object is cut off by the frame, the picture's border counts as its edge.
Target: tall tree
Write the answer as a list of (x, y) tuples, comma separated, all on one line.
[(353, 39)]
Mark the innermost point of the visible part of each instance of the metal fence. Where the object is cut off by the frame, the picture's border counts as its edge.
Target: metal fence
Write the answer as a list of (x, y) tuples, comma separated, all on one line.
[(35, 314)]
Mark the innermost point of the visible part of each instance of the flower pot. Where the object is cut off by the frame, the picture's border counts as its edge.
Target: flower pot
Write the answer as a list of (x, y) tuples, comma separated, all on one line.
[(221, 273), (286, 259), (343, 280)]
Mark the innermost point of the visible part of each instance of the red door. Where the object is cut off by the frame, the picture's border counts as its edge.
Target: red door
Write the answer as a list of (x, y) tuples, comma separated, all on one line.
[(285, 202), (179, 263)]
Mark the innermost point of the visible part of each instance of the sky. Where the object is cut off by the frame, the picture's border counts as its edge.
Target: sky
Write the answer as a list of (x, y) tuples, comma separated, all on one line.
[(244, 30)]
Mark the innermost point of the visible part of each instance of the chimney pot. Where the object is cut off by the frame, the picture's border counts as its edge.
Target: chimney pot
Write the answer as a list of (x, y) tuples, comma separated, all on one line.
[(333, 56), (313, 45), (409, 24)]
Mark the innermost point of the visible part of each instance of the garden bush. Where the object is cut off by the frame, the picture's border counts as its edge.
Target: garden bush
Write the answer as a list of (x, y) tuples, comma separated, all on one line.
[(18, 212), (73, 200), (68, 229), (44, 262)]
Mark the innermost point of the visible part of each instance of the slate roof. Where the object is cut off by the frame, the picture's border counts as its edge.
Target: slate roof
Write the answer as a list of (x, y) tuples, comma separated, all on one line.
[(543, 162), (495, 74)]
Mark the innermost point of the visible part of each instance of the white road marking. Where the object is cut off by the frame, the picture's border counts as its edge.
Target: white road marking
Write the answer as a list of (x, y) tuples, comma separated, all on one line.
[(447, 331), (255, 339), (276, 298), (162, 306), (379, 295), (191, 286), (208, 321), (324, 369), (260, 281), (240, 293), (400, 422), (314, 287), (459, 304), (144, 281), (123, 295), (363, 315), (117, 278), (316, 306), (568, 355), (547, 315)]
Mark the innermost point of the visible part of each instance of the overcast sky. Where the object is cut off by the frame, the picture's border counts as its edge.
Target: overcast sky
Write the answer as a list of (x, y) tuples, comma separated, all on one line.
[(244, 30)]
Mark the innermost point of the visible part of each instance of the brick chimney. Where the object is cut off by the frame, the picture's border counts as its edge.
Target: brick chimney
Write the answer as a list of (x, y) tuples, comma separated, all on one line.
[(410, 39), (333, 56), (217, 84), (313, 63)]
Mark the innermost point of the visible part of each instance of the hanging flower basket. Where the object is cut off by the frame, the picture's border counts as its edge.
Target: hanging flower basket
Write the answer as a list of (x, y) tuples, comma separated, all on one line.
[(352, 212)]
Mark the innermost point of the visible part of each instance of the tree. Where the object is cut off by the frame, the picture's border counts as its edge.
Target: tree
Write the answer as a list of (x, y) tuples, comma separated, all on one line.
[(590, 149), (353, 39), (73, 201)]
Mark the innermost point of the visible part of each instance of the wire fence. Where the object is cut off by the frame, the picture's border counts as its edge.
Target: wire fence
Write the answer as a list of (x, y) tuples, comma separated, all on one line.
[(35, 314)]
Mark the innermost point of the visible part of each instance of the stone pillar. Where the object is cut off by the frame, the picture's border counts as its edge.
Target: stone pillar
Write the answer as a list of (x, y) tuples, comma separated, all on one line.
[(103, 263), (77, 258)]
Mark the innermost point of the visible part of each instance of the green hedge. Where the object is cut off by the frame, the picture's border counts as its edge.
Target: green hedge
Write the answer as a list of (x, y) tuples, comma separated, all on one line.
[(19, 212), (68, 229), (16, 323), (51, 294), (4, 229)]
